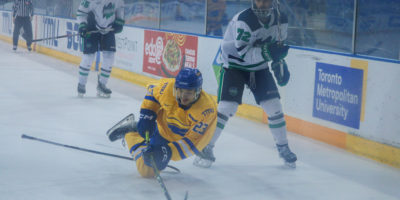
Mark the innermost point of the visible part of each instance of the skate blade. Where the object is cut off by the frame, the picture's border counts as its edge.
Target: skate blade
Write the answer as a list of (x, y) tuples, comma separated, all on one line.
[(102, 95), (80, 95), (291, 165), (199, 162)]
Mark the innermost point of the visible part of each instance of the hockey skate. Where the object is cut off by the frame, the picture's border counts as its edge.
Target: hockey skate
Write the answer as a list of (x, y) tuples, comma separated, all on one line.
[(103, 91), (205, 158), (123, 127), (288, 156), (81, 90)]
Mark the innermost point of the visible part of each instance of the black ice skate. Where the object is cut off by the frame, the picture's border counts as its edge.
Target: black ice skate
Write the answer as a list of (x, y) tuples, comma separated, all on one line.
[(205, 158), (81, 90), (288, 156), (123, 127), (103, 91)]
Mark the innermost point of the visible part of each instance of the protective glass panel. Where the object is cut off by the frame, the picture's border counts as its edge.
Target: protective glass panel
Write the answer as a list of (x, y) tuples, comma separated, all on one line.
[(378, 28), (183, 15), (144, 13), (321, 24), (220, 12), (58, 8), (6, 4)]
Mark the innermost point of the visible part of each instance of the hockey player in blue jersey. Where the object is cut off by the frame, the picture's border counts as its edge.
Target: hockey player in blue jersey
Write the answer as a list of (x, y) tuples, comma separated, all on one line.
[(253, 39), (99, 21)]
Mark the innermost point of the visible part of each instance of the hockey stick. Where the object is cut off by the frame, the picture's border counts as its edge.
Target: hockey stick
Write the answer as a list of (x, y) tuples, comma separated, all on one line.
[(156, 171), (69, 35), (276, 2), (56, 37), (74, 147), (23, 136)]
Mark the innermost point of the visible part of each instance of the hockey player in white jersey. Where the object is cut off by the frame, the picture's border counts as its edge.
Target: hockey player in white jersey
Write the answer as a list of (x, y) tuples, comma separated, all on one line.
[(99, 21), (253, 38)]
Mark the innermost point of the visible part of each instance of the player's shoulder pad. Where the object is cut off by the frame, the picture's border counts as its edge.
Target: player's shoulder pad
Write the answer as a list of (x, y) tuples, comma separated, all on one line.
[(248, 17)]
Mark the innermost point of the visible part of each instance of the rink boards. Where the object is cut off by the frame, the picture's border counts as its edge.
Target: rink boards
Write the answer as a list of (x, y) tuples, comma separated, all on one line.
[(344, 100)]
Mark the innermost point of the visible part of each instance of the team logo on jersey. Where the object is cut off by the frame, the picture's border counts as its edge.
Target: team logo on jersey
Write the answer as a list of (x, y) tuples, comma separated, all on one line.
[(108, 10)]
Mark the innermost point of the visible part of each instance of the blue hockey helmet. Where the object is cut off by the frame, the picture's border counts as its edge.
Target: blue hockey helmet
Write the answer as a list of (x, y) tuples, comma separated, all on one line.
[(188, 79)]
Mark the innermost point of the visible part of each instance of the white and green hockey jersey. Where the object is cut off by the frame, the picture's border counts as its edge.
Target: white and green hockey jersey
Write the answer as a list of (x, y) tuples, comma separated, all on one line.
[(244, 37), (105, 12)]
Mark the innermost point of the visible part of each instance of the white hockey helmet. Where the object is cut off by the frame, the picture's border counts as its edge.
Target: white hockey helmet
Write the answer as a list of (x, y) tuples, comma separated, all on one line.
[(263, 8)]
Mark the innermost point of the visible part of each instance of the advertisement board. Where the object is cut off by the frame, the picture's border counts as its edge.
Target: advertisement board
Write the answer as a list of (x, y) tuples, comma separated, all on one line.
[(338, 94), (166, 53)]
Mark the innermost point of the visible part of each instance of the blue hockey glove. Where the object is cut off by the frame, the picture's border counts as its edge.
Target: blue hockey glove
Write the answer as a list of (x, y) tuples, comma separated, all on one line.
[(147, 122), (118, 25), (274, 51), (281, 72), (161, 154), (83, 30)]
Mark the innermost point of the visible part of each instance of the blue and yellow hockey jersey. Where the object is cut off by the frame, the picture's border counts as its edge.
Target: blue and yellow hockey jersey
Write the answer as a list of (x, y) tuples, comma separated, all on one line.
[(187, 130)]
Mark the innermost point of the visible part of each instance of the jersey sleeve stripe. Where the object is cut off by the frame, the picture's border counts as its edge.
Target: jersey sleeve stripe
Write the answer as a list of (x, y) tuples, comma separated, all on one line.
[(185, 147), (191, 145), (151, 98), (138, 156), (134, 147), (191, 117), (241, 48), (179, 150), (235, 58), (177, 121), (175, 129), (137, 153)]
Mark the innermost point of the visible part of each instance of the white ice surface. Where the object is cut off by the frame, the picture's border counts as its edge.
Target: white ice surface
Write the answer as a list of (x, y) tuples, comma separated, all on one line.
[(38, 98)]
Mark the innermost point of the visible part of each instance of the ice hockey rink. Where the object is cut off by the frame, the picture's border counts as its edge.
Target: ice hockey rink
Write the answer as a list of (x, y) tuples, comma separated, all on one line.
[(38, 98)]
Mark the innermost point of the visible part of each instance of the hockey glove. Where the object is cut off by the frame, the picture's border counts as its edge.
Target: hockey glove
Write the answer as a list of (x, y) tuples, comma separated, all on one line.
[(83, 30), (281, 72), (118, 25), (274, 51), (160, 153), (147, 122)]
